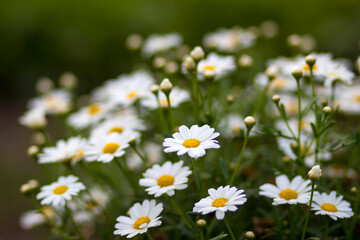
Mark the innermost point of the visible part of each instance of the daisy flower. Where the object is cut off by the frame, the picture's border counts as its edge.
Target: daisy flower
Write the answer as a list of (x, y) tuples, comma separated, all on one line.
[(34, 118), (105, 149), (329, 204), (88, 115), (32, 219), (165, 179), (193, 141), (220, 201), (54, 102), (177, 96), (286, 192), (156, 43), (71, 150), (348, 98), (142, 217), (218, 65), (60, 191)]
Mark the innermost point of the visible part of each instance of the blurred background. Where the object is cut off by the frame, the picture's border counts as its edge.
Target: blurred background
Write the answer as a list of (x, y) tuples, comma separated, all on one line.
[(46, 38)]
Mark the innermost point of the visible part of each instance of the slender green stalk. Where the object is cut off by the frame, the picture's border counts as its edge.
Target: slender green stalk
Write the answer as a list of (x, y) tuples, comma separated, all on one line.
[(149, 236), (161, 113), (299, 117), (317, 142), (195, 174), (179, 211), (210, 96), (229, 229), (196, 95), (74, 223), (286, 122), (236, 169), (140, 155), (308, 211), (128, 177), (169, 113), (201, 233), (211, 227)]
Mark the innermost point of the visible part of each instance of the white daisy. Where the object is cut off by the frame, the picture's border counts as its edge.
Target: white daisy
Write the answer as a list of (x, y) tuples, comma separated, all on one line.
[(348, 99), (165, 179), (60, 191), (233, 125), (54, 102), (142, 217), (105, 149), (338, 73), (34, 118), (329, 204), (193, 141), (156, 43), (286, 192), (218, 65), (88, 115), (177, 96), (71, 150), (31, 219), (220, 201)]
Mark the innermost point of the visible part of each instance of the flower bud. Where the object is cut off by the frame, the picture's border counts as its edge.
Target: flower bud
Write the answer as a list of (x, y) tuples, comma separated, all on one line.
[(189, 64), (276, 99), (230, 98), (154, 89), (327, 110), (30, 186), (33, 150), (166, 86), (286, 159), (134, 41), (132, 141), (159, 62), (197, 53), (324, 102), (249, 235), (171, 67), (294, 40), (68, 80), (315, 173), (201, 223), (269, 28), (245, 61), (249, 122), (44, 85), (38, 138), (271, 72), (294, 146), (353, 189), (310, 60), (297, 73)]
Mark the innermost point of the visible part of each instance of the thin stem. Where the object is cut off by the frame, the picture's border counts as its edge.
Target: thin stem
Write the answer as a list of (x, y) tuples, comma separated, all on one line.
[(149, 236), (210, 96), (170, 118), (299, 116), (179, 211), (195, 174), (161, 113), (317, 143), (211, 227), (133, 185), (196, 95), (229, 229), (308, 211), (286, 122), (140, 155), (74, 223), (236, 169), (201, 233)]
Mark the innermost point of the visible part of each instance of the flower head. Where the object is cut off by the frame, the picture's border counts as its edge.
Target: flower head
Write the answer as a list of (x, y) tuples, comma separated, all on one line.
[(34, 118), (215, 65), (329, 204), (220, 201)]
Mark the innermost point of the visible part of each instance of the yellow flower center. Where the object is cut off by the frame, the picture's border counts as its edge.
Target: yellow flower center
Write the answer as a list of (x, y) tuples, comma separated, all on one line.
[(132, 94), (116, 129), (288, 194), (307, 68), (60, 190), (278, 83), (165, 180), (335, 75), (209, 67), (303, 124), (164, 102), (93, 109), (329, 207), (139, 223), (219, 202), (191, 143), (51, 102), (110, 148), (357, 98), (79, 154)]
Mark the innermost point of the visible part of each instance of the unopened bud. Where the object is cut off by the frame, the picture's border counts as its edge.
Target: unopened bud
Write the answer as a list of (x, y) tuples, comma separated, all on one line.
[(132, 141), (294, 146), (324, 102), (38, 138), (245, 61), (276, 99), (294, 40), (269, 28), (201, 223), (166, 86), (271, 72), (155, 89), (286, 159), (30, 186), (353, 189), (297, 73), (171, 67), (44, 85), (249, 122), (230, 98), (68, 80), (134, 41), (315, 173), (33, 150), (197, 53), (159, 62), (327, 110), (189, 64), (249, 235), (310, 60)]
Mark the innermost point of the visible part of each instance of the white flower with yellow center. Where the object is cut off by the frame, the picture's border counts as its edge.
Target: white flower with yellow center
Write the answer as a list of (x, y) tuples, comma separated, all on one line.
[(348, 99), (165, 179), (177, 96), (156, 43), (338, 73), (280, 83), (193, 141), (88, 115), (60, 191), (54, 102), (142, 217), (329, 204), (34, 118), (286, 192), (216, 65), (105, 149), (71, 151), (220, 201)]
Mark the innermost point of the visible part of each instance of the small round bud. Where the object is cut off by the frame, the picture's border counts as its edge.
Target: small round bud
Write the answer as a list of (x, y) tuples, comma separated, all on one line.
[(201, 223), (197, 53), (353, 189), (286, 159), (166, 86), (134, 41), (159, 62), (294, 146), (30, 186), (38, 138), (315, 173), (171, 67), (310, 60), (44, 85), (324, 102), (189, 64), (271, 72), (182, 51), (269, 28), (276, 99), (249, 122), (245, 61), (68, 80), (294, 40), (297, 73), (230, 98), (249, 235), (132, 141), (155, 89), (308, 44), (33, 150), (327, 110)]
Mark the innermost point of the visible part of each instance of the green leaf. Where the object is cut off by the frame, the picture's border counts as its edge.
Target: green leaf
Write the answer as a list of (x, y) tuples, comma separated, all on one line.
[(314, 129), (327, 126), (220, 236)]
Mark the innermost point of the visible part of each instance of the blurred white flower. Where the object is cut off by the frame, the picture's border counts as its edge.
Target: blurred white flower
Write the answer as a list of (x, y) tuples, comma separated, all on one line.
[(160, 43), (177, 96), (34, 118), (54, 102), (87, 116)]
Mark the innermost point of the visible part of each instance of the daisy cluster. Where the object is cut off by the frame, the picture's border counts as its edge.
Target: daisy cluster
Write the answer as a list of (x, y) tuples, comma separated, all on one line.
[(193, 140)]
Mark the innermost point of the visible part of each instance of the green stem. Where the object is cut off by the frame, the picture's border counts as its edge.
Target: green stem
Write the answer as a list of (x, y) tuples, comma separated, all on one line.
[(132, 183), (229, 229), (149, 236), (316, 115), (201, 233), (236, 169), (286, 122), (140, 155), (179, 211), (74, 223), (211, 227), (210, 96), (299, 117), (308, 211), (169, 111), (195, 174)]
